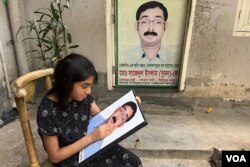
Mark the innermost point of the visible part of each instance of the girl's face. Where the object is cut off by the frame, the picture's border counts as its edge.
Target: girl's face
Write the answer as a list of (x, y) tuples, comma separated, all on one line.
[(81, 89)]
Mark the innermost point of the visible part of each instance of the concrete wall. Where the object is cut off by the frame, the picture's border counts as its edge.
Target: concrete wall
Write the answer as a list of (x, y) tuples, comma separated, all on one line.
[(218, 62), (9, 57)]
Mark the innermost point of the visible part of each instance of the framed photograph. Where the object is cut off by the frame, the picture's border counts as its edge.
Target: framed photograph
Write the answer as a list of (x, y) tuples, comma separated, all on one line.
[(127, 116), (149, 42)]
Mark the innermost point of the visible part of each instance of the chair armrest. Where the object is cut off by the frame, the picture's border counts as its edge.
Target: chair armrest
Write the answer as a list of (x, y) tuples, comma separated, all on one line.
[(17, 86)]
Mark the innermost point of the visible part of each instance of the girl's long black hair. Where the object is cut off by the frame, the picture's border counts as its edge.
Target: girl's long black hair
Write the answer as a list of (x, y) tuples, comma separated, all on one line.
[(73, 68)]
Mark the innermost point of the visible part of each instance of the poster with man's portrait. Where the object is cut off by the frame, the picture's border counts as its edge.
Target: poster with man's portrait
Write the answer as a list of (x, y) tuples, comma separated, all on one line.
[(149, 40)]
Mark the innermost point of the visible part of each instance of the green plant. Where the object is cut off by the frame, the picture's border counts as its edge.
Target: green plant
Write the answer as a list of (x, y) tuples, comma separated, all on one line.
[(52, 37), (5, 2)]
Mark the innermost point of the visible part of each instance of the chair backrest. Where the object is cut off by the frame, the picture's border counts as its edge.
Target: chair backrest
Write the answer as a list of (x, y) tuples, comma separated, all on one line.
[(20, 92)]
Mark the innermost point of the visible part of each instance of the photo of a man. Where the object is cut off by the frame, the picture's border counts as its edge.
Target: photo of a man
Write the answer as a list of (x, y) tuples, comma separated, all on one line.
[(124, 114), (119, 117), (151, 24), (149, 41)]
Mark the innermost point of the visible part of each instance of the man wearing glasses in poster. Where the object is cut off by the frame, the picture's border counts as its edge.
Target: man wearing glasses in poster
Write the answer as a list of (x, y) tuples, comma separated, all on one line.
[(151, 18)]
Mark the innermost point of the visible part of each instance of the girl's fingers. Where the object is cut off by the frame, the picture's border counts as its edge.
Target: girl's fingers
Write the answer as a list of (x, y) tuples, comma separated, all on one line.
[(138, 99)]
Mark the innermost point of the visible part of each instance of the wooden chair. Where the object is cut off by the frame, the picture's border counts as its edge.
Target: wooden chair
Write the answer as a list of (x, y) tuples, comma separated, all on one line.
[(20, 91)]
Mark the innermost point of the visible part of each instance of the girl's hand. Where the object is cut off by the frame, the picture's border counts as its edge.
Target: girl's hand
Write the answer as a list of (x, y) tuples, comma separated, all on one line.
[(138, 99), (102, 131)]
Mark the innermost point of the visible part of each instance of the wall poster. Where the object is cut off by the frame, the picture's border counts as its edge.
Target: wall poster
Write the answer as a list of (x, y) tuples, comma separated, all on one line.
[(149, 42)]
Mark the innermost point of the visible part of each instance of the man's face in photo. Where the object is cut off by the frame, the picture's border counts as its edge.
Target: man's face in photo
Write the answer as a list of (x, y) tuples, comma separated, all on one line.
[(151, 26)]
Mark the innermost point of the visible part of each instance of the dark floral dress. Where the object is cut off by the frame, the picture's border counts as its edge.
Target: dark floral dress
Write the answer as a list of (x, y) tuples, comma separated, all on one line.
[(70, 124)]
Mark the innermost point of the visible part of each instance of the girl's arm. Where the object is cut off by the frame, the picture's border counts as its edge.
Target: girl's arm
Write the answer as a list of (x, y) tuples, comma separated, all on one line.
[(57, 154), (94, 109)]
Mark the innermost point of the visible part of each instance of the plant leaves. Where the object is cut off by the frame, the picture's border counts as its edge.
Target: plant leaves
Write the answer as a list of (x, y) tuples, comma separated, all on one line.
[(46, 30), (32, 26), (69, 37), (41, 18), (44, 9), (42, 13), (20, 28), (49, 42), (54, 12), (53, 24), (73, 46), (63, 46), (29, 38), (5, 2), (66, 6), (50, 36), (31, 51), (60, 30), (50, 48), (52, 8)]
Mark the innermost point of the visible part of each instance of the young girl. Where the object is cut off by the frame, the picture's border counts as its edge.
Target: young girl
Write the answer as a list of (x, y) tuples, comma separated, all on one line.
[(64, 113)]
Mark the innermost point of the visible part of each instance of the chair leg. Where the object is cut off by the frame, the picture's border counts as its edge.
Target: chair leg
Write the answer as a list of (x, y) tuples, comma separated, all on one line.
[(47, 163), (35, 164), (27, 133)]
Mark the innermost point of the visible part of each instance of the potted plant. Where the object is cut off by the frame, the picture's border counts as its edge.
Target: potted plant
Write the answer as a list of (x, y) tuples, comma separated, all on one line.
[(49, 34)]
